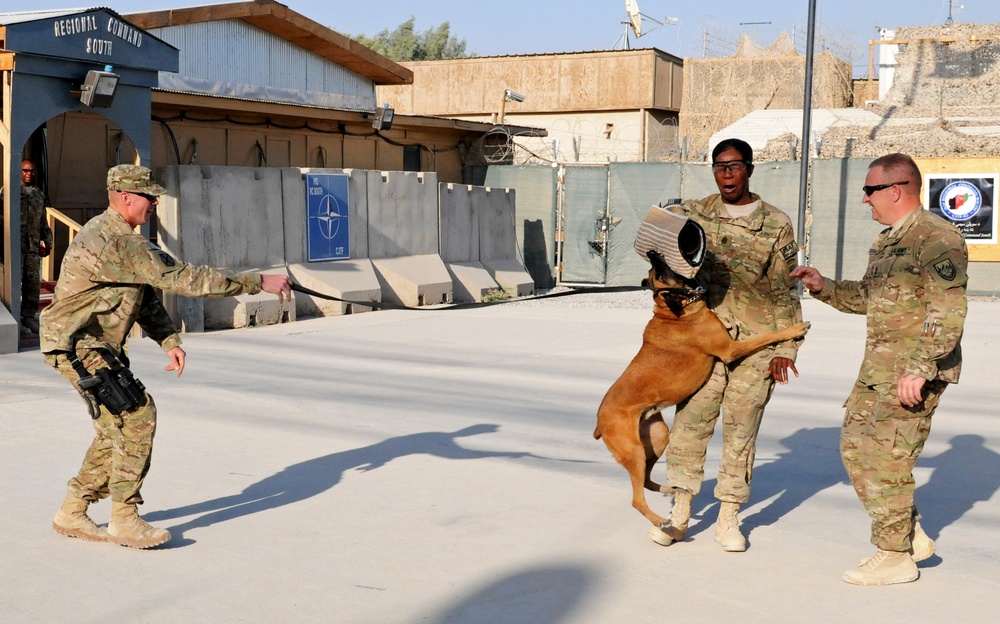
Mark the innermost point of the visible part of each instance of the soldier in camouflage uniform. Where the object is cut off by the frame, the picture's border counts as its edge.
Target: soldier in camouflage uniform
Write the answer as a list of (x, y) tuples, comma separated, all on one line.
[(746, 275), (106, 285), (36, 243), (913, 294)]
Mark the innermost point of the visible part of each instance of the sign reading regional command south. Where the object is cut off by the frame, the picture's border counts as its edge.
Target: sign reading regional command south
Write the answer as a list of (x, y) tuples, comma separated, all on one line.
[(327, 222), (967, 201)]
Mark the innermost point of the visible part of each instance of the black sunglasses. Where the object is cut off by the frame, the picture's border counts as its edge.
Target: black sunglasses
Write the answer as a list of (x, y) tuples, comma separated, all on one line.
[(881, 187), (146, 196)]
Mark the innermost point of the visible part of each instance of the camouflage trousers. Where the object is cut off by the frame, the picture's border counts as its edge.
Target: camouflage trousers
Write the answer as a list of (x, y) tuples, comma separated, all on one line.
[(119, 456), (31, 279), (740, 391), (879, 444)]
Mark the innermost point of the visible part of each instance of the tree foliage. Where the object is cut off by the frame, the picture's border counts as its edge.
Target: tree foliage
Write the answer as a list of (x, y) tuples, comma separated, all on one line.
[(406, 44)]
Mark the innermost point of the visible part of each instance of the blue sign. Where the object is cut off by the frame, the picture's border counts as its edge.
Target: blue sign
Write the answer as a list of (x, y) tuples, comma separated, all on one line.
[(99, 36), (327, 217)]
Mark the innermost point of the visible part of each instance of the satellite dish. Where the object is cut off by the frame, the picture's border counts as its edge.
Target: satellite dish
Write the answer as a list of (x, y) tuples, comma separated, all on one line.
[(634, 23), (634, 17)]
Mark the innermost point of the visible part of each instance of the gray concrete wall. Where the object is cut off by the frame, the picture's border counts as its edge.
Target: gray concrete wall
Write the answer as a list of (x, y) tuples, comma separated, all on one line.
[(459, 223), (255, 219), (535, 189), (402, 214), (224, 216)]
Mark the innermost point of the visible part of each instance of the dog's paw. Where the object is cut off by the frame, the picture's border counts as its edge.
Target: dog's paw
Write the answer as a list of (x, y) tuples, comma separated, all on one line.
[(802, 328)]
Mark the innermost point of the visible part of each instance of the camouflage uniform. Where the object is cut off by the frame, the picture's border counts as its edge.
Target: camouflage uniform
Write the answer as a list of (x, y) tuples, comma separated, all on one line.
[(105, 287), (34, 231), (746, 278), (913, 293)]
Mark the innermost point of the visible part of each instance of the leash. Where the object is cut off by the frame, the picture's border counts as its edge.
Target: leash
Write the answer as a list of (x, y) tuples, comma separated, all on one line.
[(385, 305)]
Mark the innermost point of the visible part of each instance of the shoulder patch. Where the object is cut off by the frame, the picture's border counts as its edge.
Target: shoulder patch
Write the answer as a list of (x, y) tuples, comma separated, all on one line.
[(165, 258), (946, 269)]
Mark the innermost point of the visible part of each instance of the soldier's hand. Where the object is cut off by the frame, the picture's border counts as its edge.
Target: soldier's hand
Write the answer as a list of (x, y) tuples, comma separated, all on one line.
[(810, 277), (779, 369), (910, 389), (176, 356), (277, 284), (43, 250)]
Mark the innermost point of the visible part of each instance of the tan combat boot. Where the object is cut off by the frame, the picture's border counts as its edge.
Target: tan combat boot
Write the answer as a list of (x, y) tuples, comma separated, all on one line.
[(727, 529), (680, 515), (72, 521), (128, 529), (921, 546), (885, 567)]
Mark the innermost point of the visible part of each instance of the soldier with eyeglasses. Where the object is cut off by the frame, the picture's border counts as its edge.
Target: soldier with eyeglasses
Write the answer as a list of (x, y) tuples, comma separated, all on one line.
[(752, 249), (913, 294)]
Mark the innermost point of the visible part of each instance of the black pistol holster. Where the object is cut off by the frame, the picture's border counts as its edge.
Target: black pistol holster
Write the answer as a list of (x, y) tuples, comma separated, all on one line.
[(115, 387)]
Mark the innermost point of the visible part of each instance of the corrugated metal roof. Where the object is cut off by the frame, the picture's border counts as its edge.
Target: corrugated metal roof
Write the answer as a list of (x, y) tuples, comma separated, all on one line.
[(31, 16)]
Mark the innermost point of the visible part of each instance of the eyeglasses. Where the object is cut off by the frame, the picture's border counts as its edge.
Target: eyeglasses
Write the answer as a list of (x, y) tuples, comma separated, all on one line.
[(146, 196), (875, 188), (738, 166), (27, 170)]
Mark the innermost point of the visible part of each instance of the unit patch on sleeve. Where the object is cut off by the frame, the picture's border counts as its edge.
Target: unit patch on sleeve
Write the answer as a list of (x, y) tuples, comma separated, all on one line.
[(946, 269), (166, 258), (790, 253)]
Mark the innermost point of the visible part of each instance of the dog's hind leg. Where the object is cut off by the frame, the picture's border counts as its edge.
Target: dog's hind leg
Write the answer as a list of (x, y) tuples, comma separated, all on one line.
[(654, 435), (620, 432)]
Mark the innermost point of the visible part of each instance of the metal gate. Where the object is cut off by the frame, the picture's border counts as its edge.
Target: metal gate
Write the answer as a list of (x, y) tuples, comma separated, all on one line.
[(599, 210)]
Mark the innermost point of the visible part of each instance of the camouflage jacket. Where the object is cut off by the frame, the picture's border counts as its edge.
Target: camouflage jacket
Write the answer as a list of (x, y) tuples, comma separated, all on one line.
[(34, 227), (746, 269), (106, 286), (914, 295)]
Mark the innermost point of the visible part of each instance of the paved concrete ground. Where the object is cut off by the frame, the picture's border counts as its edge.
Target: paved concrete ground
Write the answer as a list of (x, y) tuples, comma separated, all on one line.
[(403, 467)]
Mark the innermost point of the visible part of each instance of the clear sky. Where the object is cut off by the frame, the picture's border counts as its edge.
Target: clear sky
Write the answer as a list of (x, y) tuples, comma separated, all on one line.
[(499, 27)]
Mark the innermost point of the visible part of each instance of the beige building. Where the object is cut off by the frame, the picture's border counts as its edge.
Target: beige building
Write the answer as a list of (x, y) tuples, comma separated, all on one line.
[(615, 105)]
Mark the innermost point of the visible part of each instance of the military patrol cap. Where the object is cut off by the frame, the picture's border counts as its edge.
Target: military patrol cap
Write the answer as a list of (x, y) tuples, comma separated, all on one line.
[(133, 178)]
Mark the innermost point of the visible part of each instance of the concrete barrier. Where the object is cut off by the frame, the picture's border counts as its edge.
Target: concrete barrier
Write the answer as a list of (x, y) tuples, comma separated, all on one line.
[(225, 217), (458, 214), (8, 331), (354, 278)]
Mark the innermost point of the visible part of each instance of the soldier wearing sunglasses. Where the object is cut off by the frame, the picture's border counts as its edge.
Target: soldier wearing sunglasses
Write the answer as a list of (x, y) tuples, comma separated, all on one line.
[(106, 286), (913, 294)]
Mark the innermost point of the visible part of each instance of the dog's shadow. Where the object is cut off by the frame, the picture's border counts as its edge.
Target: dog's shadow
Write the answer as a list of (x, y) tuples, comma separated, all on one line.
[(312, 477)]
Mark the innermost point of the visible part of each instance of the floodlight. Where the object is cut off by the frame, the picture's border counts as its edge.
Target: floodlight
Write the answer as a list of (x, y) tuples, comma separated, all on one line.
[(383, 118), (98, 90)]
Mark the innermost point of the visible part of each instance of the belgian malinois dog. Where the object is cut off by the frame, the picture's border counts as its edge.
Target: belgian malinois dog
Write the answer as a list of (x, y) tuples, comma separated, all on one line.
[(679, 347)]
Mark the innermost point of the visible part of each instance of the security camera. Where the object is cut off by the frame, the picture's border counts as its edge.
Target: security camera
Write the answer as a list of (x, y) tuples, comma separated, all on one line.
[(513, 96)]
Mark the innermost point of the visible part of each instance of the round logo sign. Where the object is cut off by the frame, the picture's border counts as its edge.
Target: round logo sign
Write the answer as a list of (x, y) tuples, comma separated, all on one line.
[(960, 201)]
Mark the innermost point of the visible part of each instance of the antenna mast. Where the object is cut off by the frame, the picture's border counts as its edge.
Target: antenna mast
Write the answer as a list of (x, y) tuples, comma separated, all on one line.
[(634, 23)]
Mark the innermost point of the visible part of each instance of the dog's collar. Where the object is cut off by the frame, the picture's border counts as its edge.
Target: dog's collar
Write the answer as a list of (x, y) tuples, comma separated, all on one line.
[(681, 297)]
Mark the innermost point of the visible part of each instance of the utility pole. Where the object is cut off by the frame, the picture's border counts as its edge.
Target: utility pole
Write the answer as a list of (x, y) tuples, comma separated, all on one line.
[(806, 131)]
